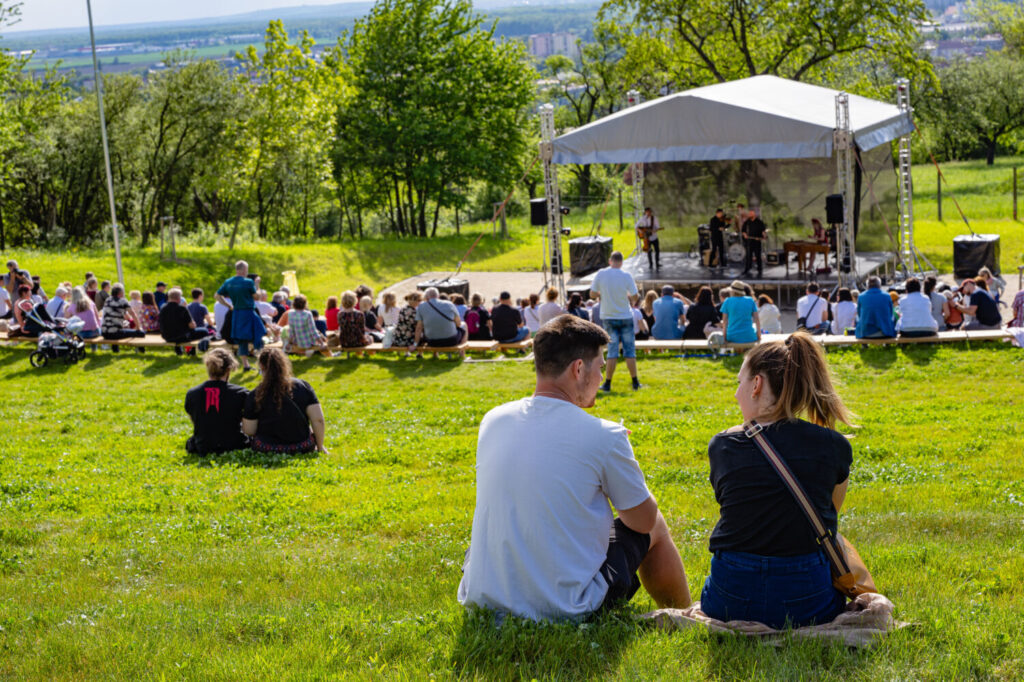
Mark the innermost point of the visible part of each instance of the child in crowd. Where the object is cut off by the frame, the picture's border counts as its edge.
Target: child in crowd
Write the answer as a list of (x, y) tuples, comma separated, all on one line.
[(388, 310), (103, 294), (331, 313), (160, 295), (199, 312), (150, 316), (92, 287), (373, 325)]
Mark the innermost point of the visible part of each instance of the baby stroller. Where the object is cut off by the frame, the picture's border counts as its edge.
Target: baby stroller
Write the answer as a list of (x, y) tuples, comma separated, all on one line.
[(59, 341)]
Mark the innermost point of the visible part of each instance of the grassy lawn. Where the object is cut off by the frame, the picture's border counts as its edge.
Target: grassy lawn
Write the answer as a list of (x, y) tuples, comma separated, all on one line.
[(122, 558)]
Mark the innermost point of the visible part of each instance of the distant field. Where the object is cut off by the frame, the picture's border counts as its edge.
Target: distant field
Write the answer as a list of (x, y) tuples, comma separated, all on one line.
[(209, 52)]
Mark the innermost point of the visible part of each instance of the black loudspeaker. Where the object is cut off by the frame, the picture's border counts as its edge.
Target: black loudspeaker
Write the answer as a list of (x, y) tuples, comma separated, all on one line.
[(834, 209), (587, 254), (974, 252), (539, 211)]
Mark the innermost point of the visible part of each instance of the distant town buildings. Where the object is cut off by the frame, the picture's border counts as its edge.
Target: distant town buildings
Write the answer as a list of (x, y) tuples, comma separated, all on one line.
[(546, 44), (955, 33)]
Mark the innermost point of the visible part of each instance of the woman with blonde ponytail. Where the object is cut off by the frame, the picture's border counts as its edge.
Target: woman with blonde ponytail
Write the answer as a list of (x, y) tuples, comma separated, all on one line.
[(767, 565)]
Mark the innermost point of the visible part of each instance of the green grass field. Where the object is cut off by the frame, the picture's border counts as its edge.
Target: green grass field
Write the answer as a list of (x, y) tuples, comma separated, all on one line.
[(123, 558)]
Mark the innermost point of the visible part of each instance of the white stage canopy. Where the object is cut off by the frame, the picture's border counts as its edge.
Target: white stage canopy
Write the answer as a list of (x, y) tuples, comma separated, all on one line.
[(763, 117)]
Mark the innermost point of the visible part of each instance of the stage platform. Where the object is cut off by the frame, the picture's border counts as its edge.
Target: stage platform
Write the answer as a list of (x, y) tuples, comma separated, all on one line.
[(685, 272)]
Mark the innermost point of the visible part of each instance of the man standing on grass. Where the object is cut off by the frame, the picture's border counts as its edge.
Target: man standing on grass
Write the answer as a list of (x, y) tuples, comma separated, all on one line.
[(238, 294), (618, 293), (545, 544)]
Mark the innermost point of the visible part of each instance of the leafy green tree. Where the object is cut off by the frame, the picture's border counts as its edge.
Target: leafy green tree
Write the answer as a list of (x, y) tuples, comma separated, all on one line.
[(589, 88), (437, 103), (290, 99), (188, 109), (688, 43), (979, 106)]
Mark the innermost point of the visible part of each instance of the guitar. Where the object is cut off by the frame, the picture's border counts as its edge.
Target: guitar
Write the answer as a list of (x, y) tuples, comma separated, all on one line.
[(645, 232)]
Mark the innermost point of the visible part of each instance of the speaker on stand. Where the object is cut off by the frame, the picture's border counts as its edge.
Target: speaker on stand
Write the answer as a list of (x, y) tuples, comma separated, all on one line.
[(539, 212)]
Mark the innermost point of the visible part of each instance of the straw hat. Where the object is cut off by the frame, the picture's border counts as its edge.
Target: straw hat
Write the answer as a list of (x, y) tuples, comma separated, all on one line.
[(739, 288)]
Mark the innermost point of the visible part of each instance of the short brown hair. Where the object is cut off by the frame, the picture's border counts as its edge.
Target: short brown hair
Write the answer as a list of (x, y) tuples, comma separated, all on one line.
[(564, 340)]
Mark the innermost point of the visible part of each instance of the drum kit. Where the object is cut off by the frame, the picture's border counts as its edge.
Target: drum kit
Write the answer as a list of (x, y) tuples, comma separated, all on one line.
[(735, 252)]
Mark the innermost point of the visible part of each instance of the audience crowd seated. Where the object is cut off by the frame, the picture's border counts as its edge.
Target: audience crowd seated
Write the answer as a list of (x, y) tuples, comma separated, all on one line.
[(351, 323), (875, 312)]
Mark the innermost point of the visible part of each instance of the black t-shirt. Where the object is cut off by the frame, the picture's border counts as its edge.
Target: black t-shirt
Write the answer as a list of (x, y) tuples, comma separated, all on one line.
[(505, 322), (482, 316), (758, 513), (371, 319), (987, 312), (174, 321), (216, 411), (697, 316), (717, 225), (754, 228), (289, 424)]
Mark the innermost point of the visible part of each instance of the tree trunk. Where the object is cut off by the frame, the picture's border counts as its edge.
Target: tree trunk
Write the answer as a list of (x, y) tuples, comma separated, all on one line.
[(990, 152), (3, 235)]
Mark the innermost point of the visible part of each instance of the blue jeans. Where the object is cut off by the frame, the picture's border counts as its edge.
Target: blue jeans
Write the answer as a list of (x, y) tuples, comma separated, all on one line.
[(776, 591), (520, 335), (621, 331)]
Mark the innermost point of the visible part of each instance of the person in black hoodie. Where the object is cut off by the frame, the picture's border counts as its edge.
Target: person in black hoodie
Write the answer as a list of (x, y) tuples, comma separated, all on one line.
[(216, 407)]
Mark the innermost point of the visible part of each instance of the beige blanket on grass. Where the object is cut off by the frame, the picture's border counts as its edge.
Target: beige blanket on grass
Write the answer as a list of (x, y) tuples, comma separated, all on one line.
[(865, 620)]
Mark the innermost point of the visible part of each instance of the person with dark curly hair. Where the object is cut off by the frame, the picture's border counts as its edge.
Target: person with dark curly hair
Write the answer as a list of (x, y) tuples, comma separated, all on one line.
[(283, 413)]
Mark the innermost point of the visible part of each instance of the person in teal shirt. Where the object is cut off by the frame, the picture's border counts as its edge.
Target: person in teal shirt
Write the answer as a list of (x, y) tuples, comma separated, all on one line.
[(239, 294), (739, 315)]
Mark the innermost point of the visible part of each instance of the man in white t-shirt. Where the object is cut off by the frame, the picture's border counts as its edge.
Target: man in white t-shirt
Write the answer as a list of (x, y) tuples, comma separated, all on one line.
[(813, 310), (5, 304), (618, 293), (649, 224), (545, 543)]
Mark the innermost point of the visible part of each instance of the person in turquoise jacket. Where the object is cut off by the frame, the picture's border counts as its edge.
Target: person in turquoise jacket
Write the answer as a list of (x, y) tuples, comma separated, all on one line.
[(874, 312)]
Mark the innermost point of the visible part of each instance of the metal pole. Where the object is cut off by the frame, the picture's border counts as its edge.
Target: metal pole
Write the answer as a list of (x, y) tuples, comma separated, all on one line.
[(633, 99), (1015, 193), (106, 146)]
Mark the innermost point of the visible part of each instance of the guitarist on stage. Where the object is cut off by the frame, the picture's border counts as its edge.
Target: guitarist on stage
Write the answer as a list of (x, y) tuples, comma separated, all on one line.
[(754, 234), (647, 230)]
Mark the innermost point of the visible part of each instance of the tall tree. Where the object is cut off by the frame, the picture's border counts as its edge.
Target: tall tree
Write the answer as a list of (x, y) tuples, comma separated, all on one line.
[(289, 124), (437, 103), (687, 43), (979, 106)]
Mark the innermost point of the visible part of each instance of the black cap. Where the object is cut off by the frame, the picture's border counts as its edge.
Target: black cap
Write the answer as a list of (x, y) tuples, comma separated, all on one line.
[(160, 284)]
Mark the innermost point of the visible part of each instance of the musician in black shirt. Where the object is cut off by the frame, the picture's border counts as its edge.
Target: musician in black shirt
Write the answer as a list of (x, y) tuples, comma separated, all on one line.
[(754, 234), (718, 226)]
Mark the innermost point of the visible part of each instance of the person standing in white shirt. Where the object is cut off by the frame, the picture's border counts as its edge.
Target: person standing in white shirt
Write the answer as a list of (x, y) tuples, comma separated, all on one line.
[(545, 543), (813, 311), (617, 291)]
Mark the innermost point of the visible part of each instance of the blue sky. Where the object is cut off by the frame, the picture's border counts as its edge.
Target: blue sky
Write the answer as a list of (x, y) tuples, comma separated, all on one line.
[(43, 14)]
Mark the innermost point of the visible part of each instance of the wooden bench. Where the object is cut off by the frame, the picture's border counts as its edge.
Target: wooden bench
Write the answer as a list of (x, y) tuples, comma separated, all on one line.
[(656, 345), (519, 346)]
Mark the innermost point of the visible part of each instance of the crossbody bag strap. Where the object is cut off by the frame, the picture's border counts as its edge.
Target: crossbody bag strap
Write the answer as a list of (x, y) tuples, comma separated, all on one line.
[(440, 312), (755, 432)]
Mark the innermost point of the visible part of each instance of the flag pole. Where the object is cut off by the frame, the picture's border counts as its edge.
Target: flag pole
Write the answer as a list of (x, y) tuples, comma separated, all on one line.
[(106, 146)]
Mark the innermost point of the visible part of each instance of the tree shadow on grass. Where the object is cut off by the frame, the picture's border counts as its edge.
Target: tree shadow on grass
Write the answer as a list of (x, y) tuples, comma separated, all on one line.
[(921, 354), (519, 649), (877, 357), (248, 458), (12, 357)]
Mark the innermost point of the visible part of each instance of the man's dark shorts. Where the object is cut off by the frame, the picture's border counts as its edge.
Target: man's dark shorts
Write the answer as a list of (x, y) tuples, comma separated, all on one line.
[(626, 551)]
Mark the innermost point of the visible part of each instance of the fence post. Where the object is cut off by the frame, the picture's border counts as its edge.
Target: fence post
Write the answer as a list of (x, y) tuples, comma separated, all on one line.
[(1015, 193), (938, 192), (620, 210)]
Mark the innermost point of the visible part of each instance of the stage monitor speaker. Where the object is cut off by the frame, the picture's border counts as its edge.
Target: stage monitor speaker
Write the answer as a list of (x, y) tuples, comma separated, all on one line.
[(587, 254), (972, 252), (539, 211), (446, 286), (834, 209)]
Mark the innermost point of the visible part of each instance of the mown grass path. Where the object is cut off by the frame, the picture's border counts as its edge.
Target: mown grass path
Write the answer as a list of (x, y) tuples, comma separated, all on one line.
[(122, 558)]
